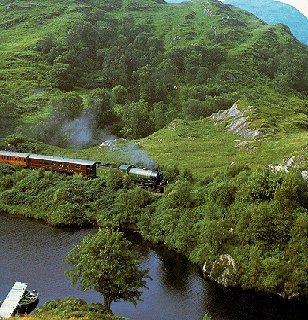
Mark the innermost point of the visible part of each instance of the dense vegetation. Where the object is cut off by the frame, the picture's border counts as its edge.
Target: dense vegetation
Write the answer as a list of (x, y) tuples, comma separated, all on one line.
[(258, 219), (70, 309), (131, 67), (74, 72)]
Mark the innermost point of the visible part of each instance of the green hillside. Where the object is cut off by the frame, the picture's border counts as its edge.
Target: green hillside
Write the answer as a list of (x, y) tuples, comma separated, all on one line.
[(210, 92), (129, 68)]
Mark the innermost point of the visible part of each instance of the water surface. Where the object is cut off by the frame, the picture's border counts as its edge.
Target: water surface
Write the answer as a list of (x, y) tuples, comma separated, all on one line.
[(33, 252)]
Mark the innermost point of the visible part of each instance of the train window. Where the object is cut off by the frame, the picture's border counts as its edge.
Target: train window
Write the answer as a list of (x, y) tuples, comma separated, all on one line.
[(53, 164), (16, 159), (77, 166), (40, 162), (67, 165), (46, 163), (61, 165)]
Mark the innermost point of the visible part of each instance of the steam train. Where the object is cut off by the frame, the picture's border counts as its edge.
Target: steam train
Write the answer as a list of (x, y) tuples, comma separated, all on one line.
[(36, 161), (87, 168)]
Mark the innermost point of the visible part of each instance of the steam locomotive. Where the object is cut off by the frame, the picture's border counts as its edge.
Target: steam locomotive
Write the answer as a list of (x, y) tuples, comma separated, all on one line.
[(144, 177), (87, 168)]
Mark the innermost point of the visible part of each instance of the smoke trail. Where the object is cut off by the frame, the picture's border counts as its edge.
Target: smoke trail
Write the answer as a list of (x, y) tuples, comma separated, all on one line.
[(79, 131), (130, 152)]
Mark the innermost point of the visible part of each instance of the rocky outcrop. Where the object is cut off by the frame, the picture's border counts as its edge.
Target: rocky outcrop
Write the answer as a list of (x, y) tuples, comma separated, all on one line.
[(223, 270), (238, 122), (291, 163)]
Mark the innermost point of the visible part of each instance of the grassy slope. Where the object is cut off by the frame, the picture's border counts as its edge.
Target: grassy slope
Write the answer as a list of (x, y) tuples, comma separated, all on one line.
[(22, 70), (198, 145), (204, 148)]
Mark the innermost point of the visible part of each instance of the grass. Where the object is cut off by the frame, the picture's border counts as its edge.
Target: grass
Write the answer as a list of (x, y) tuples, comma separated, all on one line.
[(204, 148), (21, 69), (200, 146)]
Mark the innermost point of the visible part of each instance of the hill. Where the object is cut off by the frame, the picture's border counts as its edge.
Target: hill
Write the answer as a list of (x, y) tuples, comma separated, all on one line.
[(74, 73), (273, 12), (211, 92)]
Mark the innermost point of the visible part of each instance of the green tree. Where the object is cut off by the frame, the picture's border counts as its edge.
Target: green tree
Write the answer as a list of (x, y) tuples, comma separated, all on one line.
[(68, 106), (136, 119), (63, 76), (101, 108), (105, 263)]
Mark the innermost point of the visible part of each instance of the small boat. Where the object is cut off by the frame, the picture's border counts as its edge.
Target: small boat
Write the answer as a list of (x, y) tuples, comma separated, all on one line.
[(28, 302)]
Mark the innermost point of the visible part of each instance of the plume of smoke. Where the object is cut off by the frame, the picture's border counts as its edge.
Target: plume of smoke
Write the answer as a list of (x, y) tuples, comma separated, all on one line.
[(79, 131), (138, 156), (130, 152)]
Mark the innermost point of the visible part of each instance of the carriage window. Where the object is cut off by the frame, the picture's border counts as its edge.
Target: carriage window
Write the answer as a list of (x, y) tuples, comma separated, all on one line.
[(53, 164), (40, 162), (77, 166), (46, 163), (67, 165)]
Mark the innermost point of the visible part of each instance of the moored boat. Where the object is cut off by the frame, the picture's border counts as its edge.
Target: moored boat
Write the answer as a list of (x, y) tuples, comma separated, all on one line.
[(28, 302)]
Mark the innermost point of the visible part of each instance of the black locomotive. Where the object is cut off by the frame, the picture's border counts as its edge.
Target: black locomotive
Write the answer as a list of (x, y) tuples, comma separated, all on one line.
[(146, 178)]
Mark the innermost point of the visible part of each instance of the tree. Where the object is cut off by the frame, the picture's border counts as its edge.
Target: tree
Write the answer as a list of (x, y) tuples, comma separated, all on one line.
[(67, 107), (63, 76), (105, 263), (101, 108), (136, 119)]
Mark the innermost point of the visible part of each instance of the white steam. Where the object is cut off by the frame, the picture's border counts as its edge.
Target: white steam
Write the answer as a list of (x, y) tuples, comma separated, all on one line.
[(130, 152)]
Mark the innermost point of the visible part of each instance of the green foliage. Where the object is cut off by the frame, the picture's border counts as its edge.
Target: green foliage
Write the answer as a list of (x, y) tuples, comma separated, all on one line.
[(259, 218), (189, 66), (67, 107), (63, 76), (262, 185), (133, 68), (71, 308), (179, 195), (136, 119), (98, 264), (61, 124), (128, 206), (100, 109), (22, 143), (223, 193)]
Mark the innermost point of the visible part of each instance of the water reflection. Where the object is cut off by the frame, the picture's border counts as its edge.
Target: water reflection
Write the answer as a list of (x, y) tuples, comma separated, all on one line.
[(174, 272), (33, 252), (235, 304)]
